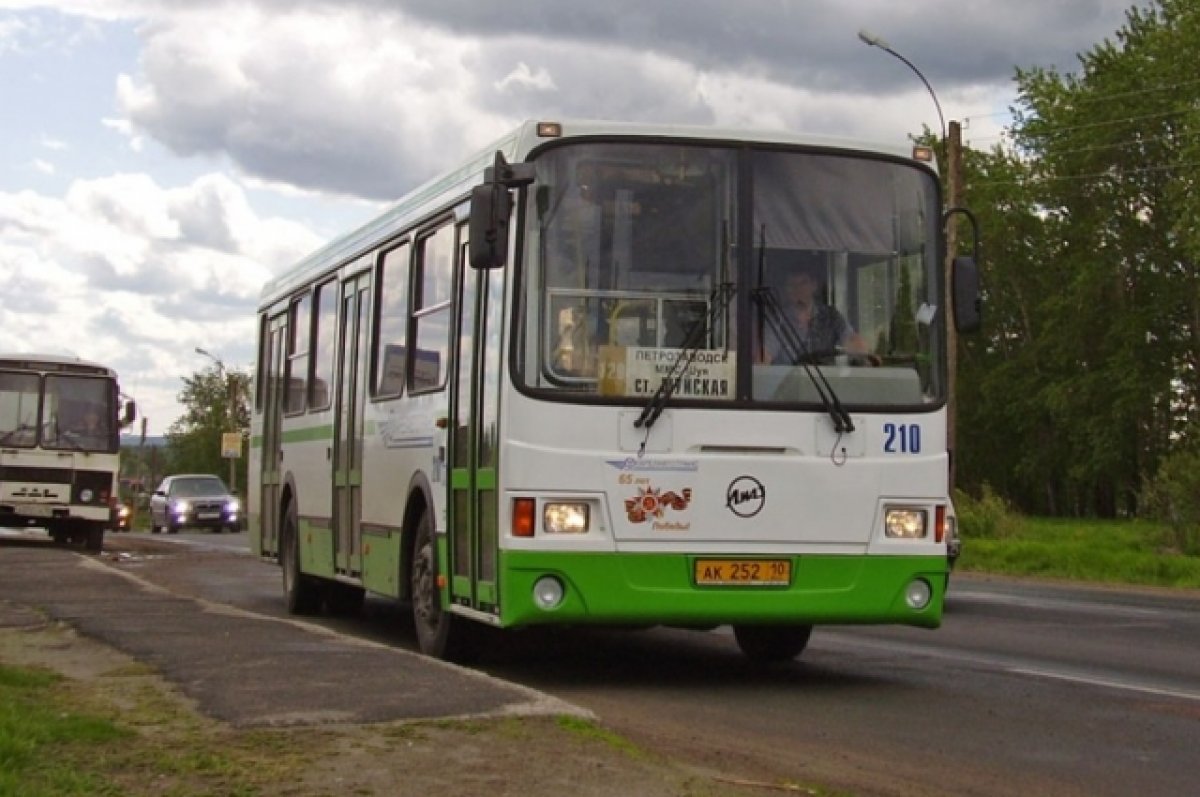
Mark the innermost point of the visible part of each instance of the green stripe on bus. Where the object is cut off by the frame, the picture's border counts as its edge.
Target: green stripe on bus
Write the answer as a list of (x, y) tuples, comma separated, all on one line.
[(308, 434)]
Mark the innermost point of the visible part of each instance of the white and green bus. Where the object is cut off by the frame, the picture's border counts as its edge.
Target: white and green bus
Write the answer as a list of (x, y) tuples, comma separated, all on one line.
[(564, 383), (59, 446)]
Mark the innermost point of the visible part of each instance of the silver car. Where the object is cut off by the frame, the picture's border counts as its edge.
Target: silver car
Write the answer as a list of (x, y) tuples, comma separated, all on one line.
[(195, 500)]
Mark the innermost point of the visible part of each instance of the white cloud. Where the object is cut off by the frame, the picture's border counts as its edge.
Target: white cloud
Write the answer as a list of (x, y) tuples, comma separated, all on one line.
[(124, 271)]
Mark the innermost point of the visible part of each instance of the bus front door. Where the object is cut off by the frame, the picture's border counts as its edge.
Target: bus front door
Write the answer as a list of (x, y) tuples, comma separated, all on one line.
[(272, 450), (348, 426), (474, 454)]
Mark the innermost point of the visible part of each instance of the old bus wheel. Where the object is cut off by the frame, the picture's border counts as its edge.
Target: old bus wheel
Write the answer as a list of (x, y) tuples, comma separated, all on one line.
[(301, 593), (769, 644), (94, 541), (439, 633)]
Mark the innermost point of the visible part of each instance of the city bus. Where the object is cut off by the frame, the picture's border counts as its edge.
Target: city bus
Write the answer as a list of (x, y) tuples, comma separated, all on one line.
[(60, 421), (563, 383)]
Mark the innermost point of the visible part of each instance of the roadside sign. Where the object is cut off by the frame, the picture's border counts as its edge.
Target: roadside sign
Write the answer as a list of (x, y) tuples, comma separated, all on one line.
[(231, 445)]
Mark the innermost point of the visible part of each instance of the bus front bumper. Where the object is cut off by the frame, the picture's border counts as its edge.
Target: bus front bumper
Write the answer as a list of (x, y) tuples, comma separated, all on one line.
[(652, 589)]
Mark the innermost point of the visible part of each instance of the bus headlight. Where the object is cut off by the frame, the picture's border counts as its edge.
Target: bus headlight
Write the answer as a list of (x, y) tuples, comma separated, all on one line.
[(565, 518), (905, 523)]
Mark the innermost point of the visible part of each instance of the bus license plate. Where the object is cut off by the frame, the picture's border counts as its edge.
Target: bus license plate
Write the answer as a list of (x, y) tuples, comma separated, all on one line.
[(35, 510), (743, 572)]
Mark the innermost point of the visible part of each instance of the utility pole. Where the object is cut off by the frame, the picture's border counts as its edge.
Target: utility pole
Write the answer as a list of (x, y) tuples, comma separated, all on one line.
[(955, 187), (230, 416), (952, 140)]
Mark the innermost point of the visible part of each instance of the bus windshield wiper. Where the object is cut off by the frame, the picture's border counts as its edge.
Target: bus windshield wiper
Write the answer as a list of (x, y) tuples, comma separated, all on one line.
[(798, 353), (718, 300)]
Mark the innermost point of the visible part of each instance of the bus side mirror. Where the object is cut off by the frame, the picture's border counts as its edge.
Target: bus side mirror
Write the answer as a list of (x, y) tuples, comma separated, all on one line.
[(968, 301), (491, 205), (130, 413)]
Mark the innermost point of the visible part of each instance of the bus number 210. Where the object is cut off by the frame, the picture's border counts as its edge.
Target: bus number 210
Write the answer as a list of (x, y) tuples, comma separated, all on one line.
[(902, 438)]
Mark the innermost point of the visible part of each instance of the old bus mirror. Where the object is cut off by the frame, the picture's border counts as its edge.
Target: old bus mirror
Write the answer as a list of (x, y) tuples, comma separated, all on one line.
[(491, 207), (130, 413), (968, 301), (964, 280)]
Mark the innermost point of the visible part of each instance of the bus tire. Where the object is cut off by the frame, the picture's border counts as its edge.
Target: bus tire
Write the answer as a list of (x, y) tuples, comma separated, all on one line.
[(94, 538), (772, 644), (301, 593), (440, 634)]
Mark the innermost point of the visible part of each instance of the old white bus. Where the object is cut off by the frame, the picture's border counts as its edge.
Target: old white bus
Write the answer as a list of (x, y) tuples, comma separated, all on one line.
[(59, 445)]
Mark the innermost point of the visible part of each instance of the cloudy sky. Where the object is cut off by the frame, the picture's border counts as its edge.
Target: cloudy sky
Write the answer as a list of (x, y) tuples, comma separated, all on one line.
[(162, 158)]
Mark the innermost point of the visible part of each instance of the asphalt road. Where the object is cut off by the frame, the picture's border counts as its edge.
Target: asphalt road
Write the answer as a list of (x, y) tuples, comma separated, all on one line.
[(1026, 689)]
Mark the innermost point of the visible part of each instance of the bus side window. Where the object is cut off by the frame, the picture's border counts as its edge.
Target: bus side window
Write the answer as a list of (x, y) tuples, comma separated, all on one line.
[(431, 309), (392, 341), (324, 336), (297, 360)]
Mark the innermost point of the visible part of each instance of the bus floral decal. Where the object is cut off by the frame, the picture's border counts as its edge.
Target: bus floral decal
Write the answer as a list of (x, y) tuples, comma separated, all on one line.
[(652, 503)]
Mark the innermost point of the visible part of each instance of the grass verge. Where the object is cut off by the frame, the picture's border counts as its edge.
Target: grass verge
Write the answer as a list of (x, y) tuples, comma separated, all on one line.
[(1131, 552)]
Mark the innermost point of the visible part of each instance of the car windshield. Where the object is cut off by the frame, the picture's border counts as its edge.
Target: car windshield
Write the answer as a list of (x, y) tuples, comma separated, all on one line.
[(198, 488)]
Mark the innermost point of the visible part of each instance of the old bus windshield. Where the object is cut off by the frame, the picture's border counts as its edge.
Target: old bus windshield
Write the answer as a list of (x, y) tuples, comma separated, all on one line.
[(73, 413), (629, 244)]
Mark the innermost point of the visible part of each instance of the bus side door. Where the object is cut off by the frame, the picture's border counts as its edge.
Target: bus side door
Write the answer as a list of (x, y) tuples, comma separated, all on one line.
[(270, 478), (474, 453), (349, 424)]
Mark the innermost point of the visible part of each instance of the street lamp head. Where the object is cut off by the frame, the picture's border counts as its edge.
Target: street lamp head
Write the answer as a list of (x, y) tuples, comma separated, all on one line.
[(870, 39), (873, 40)]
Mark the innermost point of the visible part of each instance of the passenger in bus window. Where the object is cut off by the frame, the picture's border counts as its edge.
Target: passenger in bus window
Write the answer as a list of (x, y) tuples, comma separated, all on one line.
[(821, 328)]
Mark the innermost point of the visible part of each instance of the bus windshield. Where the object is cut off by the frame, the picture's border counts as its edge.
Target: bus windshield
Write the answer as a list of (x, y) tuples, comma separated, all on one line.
[(73, 413), (630, 247)]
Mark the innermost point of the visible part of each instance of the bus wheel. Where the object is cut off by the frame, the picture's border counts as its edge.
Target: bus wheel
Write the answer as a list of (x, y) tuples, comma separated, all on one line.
[(439, 633), (770, 644), (94, 538), (301, 593)]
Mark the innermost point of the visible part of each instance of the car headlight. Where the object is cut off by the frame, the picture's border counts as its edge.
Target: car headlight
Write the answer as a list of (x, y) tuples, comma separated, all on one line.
[(905, 523), (181, 507), (232, 506), (123, 512), (565, 518)]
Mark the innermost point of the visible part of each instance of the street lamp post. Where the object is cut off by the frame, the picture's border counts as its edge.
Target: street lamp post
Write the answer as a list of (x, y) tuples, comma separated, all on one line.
[(230, 418), (952, 142), (872, 40)]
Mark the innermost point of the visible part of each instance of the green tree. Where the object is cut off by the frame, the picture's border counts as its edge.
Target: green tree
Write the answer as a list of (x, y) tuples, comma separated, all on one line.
[(210, 399), (1086, 374)]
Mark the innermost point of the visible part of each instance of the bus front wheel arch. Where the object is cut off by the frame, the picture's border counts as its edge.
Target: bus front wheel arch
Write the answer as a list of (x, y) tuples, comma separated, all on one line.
[(440, 633), (301, 593)]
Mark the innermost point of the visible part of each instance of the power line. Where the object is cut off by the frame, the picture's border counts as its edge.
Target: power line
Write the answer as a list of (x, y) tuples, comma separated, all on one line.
[(1098, 175)]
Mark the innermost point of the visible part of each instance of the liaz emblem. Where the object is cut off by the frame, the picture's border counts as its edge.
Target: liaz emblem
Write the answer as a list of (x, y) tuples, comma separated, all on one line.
[(745, 496)]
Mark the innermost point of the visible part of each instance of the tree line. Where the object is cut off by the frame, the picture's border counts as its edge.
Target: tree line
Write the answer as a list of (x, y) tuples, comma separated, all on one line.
[(1083, 385)]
